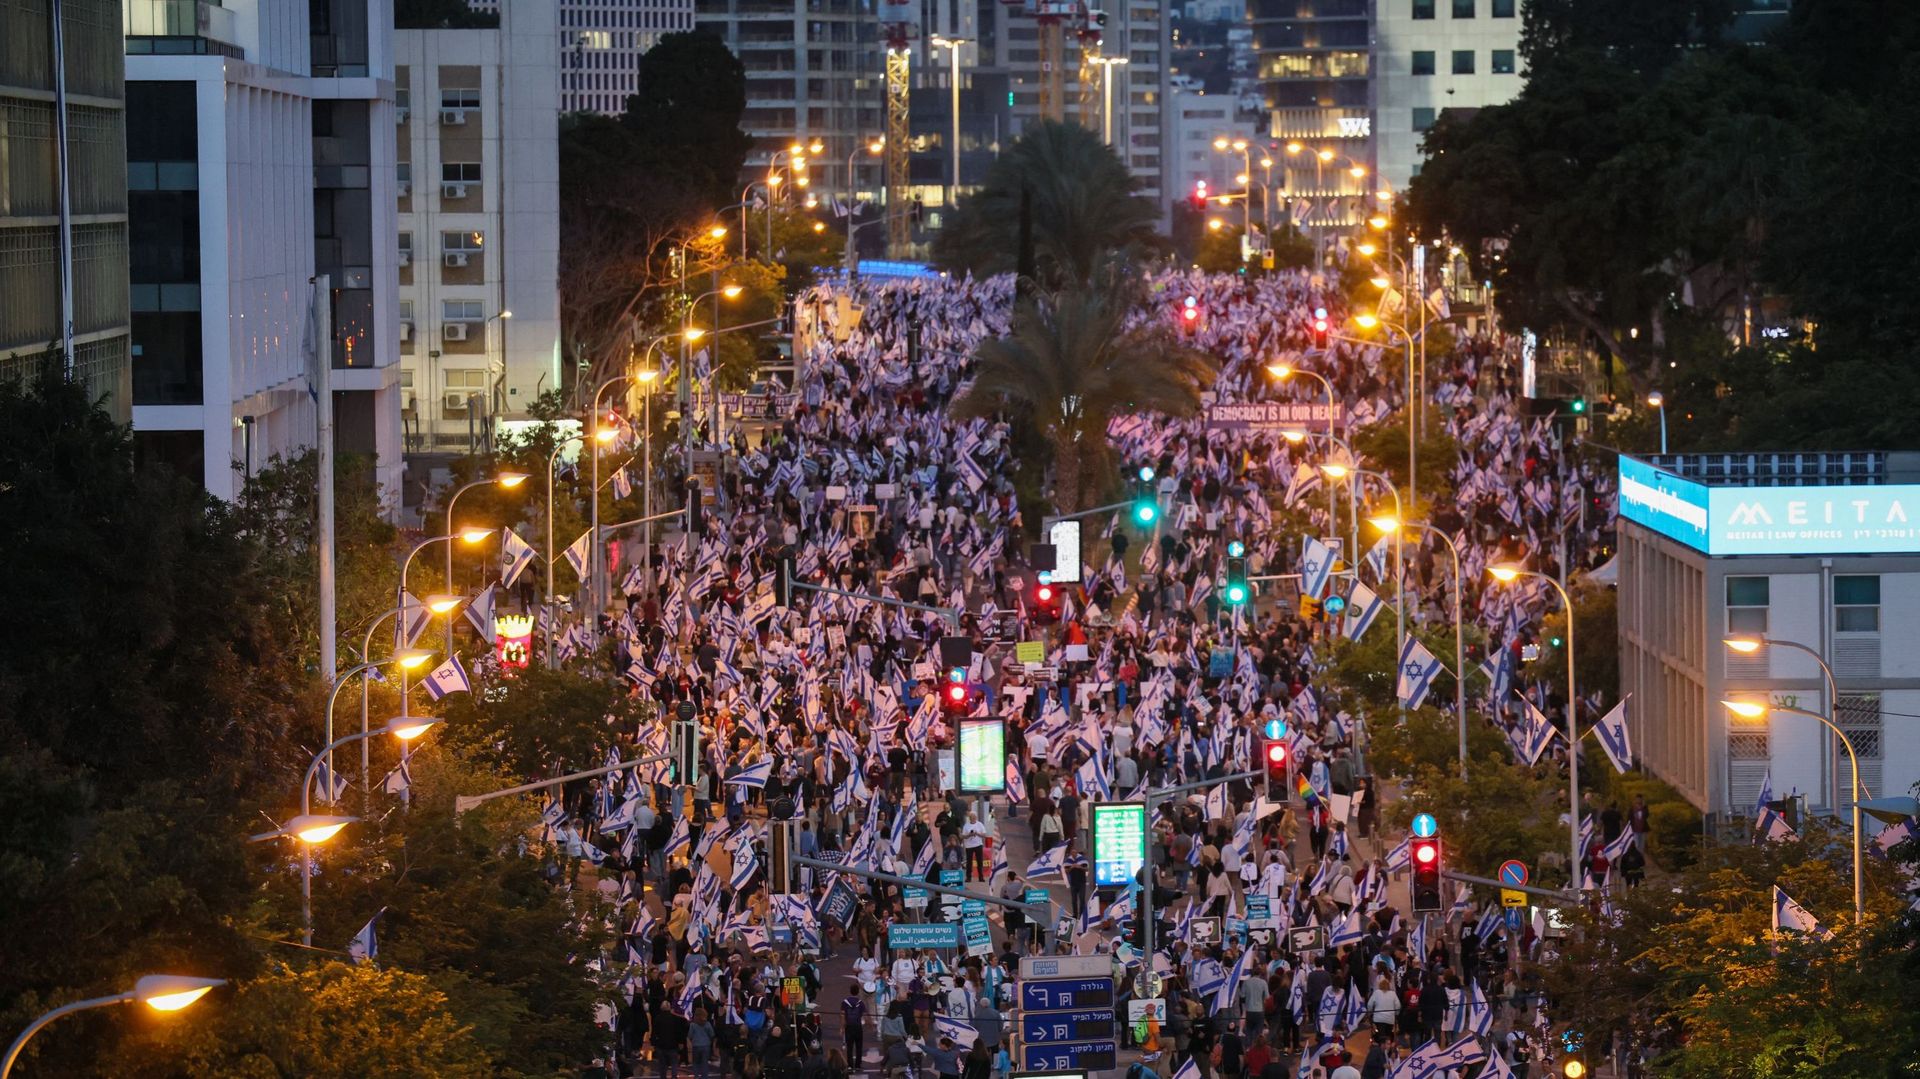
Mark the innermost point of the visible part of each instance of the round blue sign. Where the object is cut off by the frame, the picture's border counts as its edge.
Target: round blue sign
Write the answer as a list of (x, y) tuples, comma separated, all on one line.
[(1425, 826)]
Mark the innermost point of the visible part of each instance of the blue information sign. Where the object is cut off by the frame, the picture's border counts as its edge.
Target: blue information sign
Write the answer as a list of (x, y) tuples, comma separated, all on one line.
[(1037, 895), (1055, 993), (1259, 908), (952, 878), (1067, 1056), (973, 906), (923, 935), (1067, 1026)]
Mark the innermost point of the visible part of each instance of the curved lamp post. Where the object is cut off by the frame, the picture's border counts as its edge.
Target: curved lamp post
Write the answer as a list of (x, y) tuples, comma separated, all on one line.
[(507, 481), (1507, 574), (1391, 524), (164, 993), (1759, 710)]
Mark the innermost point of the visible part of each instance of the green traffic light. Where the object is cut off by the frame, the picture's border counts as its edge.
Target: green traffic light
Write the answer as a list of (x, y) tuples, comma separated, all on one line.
[(1579, 405), (1145, 512), (1236, 594)]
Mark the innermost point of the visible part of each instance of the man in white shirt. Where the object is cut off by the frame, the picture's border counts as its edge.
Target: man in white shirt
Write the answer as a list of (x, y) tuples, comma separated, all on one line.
[(973, 838)]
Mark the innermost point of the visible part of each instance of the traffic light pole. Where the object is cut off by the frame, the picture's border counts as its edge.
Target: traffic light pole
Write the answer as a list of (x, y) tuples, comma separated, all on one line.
[(1154, 798), (1048, 521), (951, 616), (464, 802), (1545, 893)]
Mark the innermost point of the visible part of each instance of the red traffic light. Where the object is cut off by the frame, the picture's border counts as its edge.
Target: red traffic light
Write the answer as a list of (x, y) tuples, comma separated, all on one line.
[(1276, 753), (1425, 853), (1043, 594), (957, 694)]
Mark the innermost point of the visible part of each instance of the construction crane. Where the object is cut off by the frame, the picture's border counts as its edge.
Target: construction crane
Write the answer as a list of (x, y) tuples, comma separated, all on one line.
[(899, 25), (1055, 18)]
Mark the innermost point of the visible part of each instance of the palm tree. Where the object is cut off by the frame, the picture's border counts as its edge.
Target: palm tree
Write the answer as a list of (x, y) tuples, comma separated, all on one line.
[(1070, 365), (1084, 203)]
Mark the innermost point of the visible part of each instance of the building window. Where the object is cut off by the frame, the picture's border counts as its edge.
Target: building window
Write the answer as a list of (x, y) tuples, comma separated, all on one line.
[(1422, 119), (462, 311), (1423, 62), (459, 97), (462, 242), (1423, 9), (406, 310), (1463, 9), (461, 386), (1856, 604), (1747, 601), (1503, 61), (406, 248), (1463, 61), (1502, 9)]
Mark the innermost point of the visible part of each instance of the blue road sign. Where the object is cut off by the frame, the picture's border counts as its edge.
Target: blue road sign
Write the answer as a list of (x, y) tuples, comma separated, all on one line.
[(1513, 917), (1067, 1056), (923, 935), (1055, 993), (1259, 908), (1067, 1026), (1513, 873)]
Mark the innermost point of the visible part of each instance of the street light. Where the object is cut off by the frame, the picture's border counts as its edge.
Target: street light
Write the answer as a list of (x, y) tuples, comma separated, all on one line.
[(1659, 401), (507, 481), (164, 993), (1107, 64), (1361, 475), (1760, 710), (1394, 524), (1507, 574), (1284, 371), (953, 45)]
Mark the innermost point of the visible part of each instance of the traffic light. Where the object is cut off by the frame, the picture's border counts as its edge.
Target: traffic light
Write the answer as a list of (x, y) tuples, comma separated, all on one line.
[(1146, 504), (1321, 327), (1236, 592), (1190, 312), (1426, 874), (696, 513), (1273, 757), (954, 693), (1573, 1059), (1577, 406), (1046, 604), (1198, 200)]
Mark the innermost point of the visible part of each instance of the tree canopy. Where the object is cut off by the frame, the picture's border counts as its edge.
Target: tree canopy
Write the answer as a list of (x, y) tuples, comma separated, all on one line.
[(1083, 205)]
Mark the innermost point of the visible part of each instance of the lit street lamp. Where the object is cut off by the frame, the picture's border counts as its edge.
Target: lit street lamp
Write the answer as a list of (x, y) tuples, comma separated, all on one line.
[(164, 993), (1507, 574), (1390, 524), (1759, 710), (507, 481), (1659, 402)]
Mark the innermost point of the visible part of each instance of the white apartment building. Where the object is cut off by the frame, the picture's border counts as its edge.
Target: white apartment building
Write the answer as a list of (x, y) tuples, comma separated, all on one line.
[(1431, 56), (1810, 552), (478, 225), (257, 159), (600, 44), (1198, 119)]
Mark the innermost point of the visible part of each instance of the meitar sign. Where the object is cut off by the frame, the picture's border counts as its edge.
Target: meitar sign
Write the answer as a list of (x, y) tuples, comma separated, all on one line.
[(1725, 521)]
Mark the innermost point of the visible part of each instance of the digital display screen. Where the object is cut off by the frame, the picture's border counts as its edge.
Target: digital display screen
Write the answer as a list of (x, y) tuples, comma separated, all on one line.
[(1119, 842), (982, 749)]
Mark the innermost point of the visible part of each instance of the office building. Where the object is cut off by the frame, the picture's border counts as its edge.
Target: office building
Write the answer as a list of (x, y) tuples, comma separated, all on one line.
[(1314, 60), (1432, 57), (259, 156), (479, 225), (1818, 549), (600, 44), (815, 69), (55, 254)]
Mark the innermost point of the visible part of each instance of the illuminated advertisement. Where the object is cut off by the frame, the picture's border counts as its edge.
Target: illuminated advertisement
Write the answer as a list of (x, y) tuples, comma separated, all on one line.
[(1119, 842), (1809, 520), (982, 749), (513, 639)]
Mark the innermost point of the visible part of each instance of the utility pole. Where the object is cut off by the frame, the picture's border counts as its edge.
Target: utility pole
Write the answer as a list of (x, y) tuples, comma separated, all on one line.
[(322, 381)]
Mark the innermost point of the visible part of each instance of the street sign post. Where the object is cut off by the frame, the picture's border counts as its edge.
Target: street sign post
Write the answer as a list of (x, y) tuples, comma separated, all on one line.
[(1054, 1027), (1513, 872), (1067, 1013)]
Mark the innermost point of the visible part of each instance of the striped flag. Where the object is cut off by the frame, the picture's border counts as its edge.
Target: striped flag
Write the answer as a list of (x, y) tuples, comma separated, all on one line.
[(448, 677)]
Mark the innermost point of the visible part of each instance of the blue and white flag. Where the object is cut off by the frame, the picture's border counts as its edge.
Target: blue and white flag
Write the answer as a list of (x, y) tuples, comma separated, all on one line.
[(329, 786), (1612, 733), (1479, 1012), (399, 782), (1401, 855), (1891, 837), (1316, 564), (1418, 669), (1016, 783), (1188, 1070), (1376, 558), (365, 945), (1458, 1055), (622, 485), (753, 775), (1532, 735), (1051, 864), (689, 995), (417, 617), (970, 471), (515, 555), (1223, 997), (1789, 915), (479, 614), (1773, 827), (1216, 806), (1363, 606), (963, 1033), (928, 857), (577, 553), (1347, 932), (449, 677), (1766, 794)]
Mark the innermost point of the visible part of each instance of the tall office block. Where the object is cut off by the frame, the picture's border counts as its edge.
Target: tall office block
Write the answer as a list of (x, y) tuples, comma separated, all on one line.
[(65, 253), (479, 225), (600, 45), (259, 156)]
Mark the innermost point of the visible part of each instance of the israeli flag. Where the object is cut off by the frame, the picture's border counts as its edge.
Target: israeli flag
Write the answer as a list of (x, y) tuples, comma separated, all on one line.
[(365, 945), (577, 552), (1363, 606), (1459, 1055), (1773, 827), (970, 471), (479, 613), (1188, 1070), (929, 855), (1356, 1007), (415, 615), (1316, 564), (1223, 998), (689, 995), (1418, 669), (1400, 855), (743, 869), (1612, 733), (1216, 806), (999, 862), (1532, 737), (1892, 837), (964, 1034), (515, 555), (399, 782), (1092, 779), (622, 486), (552, 814), (1766, 794), (1479, 1013), (1051, 864), (449, 677), (754, 775), (1347, 932), (1376, 557), (328, 784), (1016, 783)]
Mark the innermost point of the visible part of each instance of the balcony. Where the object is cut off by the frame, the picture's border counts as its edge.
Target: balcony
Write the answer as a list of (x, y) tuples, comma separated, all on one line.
[(190, 24)]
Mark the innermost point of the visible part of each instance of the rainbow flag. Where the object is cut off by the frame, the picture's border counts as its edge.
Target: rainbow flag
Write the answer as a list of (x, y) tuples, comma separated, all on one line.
[(1305, 790)]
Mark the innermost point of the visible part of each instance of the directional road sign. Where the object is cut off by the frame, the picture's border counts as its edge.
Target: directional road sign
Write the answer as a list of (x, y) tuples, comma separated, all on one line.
[(1051, 1027), (1051, 994), (1067, 1056)]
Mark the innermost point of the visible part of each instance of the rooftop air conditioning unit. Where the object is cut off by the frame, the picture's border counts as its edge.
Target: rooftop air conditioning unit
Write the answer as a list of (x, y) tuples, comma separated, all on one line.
[(454, 331)]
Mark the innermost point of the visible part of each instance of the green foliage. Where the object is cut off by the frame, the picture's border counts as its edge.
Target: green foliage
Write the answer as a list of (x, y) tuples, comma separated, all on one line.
[(1596, 641), (686, 114), (1693, 959), (1385, 445), (332, 1021), (1502, 811), (534, 721), (1085, 209), (1070, 365)]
